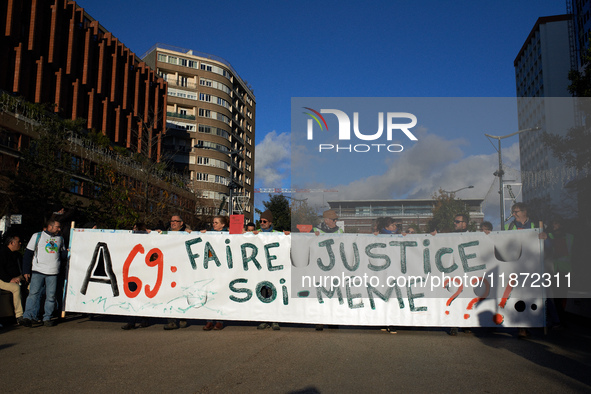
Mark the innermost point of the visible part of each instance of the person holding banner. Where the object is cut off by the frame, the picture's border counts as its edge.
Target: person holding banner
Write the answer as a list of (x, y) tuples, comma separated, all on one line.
[(329, 225), (520, 218), (266, 221), (387, 225), (486, 227), (177, 224), (138, 228), (219, 223), (521, 221), (41, 263)]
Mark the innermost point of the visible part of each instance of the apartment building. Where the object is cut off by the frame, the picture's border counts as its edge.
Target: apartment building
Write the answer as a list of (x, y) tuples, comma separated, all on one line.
[(56, 55), (541, 74), (53, 52), (210, 125)]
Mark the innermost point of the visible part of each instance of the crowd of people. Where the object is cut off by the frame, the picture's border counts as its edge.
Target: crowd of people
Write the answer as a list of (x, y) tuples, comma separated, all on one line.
[(35, 275)]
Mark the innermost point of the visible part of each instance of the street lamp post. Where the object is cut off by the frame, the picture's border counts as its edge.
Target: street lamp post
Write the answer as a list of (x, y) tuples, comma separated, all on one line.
[(452, 194), (455, 191), (500, 171), (232, 185)]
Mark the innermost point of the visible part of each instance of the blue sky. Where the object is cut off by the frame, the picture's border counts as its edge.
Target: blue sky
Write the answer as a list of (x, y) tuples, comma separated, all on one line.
[(343, 49)]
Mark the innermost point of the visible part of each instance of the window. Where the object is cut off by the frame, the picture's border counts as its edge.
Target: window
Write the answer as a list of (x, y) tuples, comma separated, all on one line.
[(76, 186), (193, 64), (222, 118), (183, 62), (214, 130), (76, 163), (205, 82), (222, 180), (223, 102), (208, 144), (222, 133), (224, 88), (204, 113), (205, 67), (183, 81), (205, 97), (172, 60), (206, 161), (161, 57)]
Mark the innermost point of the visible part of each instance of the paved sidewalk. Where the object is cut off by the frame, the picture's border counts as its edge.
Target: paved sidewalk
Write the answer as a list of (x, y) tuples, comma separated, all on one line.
[(83, 355)]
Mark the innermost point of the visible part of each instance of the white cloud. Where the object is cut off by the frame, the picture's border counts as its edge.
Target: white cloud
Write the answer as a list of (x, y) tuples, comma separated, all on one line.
[(272, 160), (425, 168)]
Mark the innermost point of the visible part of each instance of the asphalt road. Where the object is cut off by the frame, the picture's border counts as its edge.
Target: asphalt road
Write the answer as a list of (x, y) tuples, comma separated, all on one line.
[(83, 355)]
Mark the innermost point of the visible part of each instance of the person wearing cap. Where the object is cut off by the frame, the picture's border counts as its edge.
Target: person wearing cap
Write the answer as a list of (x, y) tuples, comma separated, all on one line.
[(267, 222), (329, 226)]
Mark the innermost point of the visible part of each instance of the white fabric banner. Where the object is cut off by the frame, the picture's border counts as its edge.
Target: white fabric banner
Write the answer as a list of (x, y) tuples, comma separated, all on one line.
[(447, 280)]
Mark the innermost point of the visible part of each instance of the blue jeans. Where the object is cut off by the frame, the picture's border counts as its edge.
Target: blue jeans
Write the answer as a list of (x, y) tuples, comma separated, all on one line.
[(36, 289)]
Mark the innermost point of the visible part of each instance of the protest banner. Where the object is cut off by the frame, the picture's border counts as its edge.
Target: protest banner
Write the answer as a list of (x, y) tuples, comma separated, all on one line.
[(447, 280)]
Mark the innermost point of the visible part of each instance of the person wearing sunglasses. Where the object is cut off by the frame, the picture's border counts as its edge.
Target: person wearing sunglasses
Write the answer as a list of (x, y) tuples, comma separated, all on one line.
[(329, 225), (460, 223), (267, 222)]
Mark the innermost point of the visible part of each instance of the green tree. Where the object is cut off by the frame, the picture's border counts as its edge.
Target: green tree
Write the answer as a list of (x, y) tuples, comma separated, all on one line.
[(121, 190), (279, 207), (42, 182), (113, 206), (445, 210), (302, 213)]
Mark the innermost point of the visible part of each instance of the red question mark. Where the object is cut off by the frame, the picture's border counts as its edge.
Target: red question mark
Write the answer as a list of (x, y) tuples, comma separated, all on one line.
[(477, 299), (498, 318), (454, 295)]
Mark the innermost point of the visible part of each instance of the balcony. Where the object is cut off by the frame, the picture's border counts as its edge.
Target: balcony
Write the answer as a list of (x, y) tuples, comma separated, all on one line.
[(181, 84), (181, 116)]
